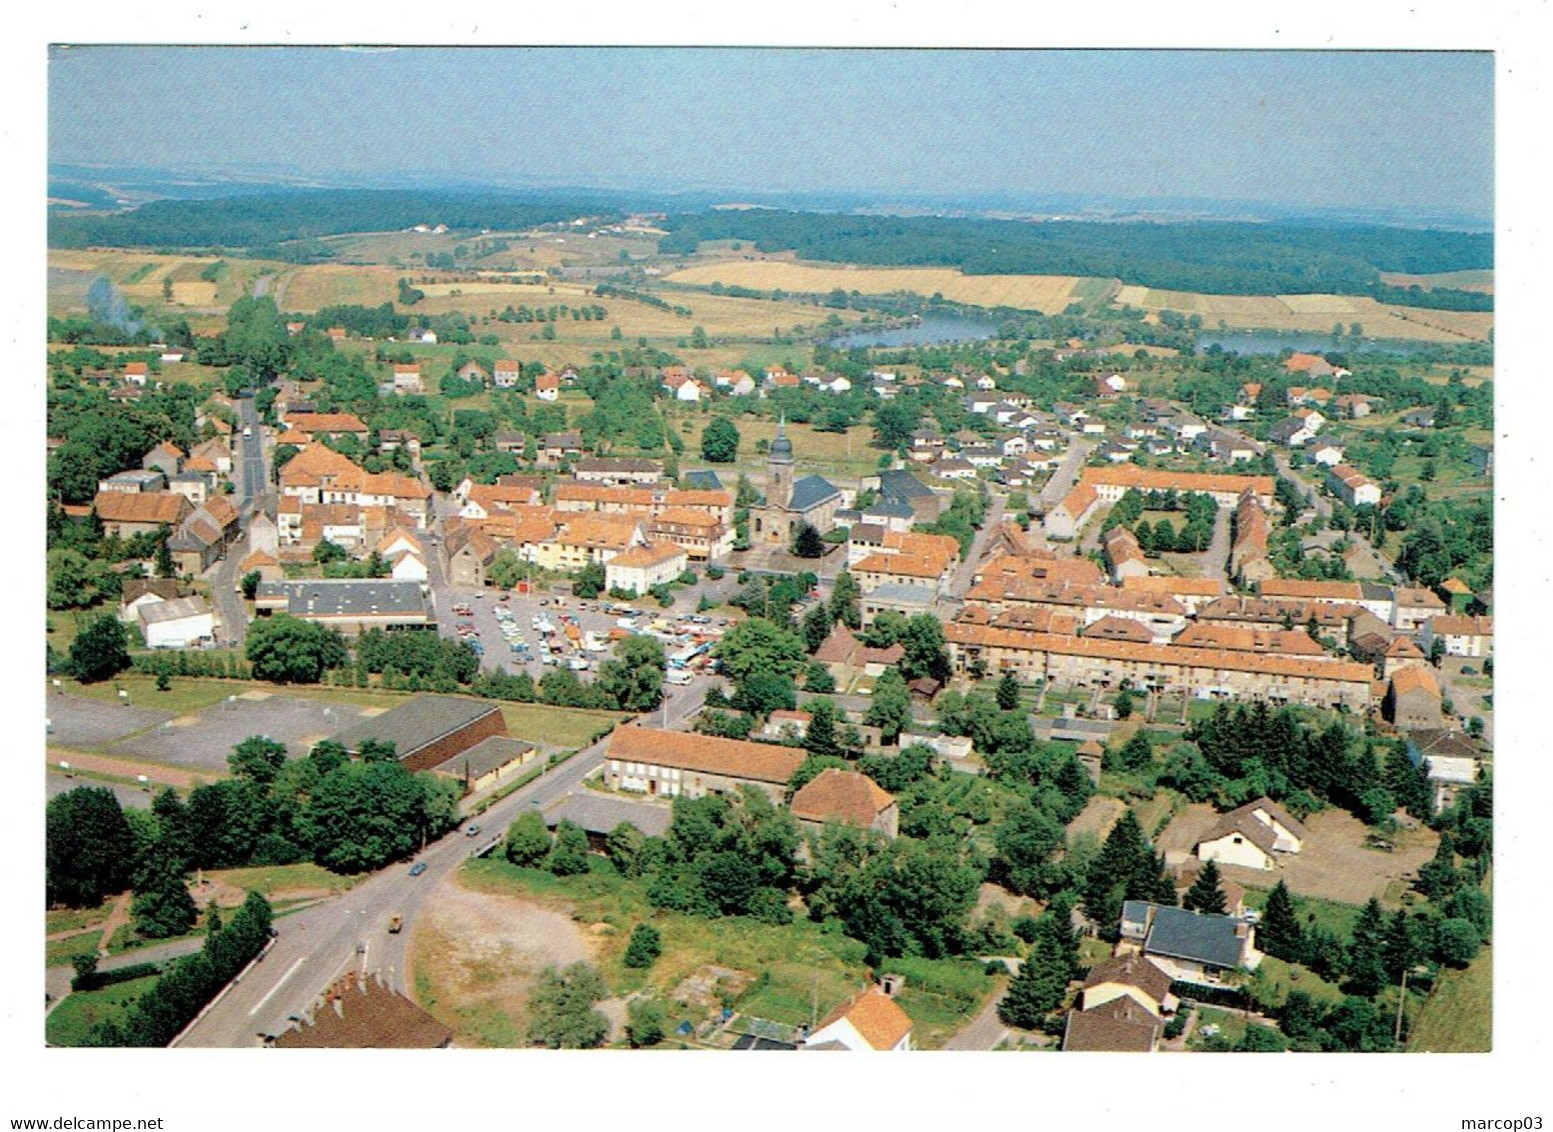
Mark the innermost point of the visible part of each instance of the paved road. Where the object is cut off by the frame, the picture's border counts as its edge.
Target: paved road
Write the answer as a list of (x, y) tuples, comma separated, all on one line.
[(251, 484), (316, 946), (967, 570), (986, 1030), (1066, 475)]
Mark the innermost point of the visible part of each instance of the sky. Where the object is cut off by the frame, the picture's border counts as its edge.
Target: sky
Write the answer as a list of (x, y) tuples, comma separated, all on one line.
[(1391, 130)]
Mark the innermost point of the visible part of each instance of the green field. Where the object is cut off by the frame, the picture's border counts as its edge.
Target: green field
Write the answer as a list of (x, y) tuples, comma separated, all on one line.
[(57, 952), (1329, 914), (71, 1020), (1458, 1016), (271, 879)]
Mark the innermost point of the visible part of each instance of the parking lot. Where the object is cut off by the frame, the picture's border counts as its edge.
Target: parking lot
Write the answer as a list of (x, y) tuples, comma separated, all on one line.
[(80, 721), (484, 624)]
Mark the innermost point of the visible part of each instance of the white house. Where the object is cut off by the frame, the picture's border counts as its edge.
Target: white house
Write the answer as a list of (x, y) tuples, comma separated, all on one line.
[(547, 387), (504, 374), (1327, 453), (1461, 636), (176, 624), (407, 378), (641, 568), (871, 1021), (1252, 836), (407, 567)]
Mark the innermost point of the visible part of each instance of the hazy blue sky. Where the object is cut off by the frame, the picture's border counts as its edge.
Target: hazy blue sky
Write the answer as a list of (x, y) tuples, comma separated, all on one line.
[(1329, 129)]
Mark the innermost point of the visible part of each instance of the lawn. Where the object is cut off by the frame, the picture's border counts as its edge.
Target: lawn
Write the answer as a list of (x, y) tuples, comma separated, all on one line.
[(1281, 978), (1329, 914), (567, 728), (187, 694), (1458, 1016), (57, 952), (71, 1020), (941, 995), (844, 455), (1232, 1027), (272, 879)]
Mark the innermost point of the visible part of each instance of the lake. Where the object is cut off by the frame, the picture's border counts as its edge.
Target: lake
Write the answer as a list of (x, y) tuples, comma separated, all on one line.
[(928, 331)]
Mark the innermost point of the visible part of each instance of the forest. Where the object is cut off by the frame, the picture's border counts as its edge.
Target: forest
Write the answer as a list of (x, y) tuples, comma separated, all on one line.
[(252, 221), (1213, 257)]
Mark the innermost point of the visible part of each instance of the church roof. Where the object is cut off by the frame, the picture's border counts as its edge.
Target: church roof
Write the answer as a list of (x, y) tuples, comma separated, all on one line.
[(811, 491)]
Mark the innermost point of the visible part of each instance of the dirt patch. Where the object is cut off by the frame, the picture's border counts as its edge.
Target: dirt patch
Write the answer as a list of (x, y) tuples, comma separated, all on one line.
[(369, 712), (1333, 864), (254, 694), (475, 958), (1097, 817), (994, 896)]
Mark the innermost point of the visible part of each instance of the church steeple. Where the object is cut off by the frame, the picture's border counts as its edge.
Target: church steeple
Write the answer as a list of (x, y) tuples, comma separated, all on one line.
[(779, 467)]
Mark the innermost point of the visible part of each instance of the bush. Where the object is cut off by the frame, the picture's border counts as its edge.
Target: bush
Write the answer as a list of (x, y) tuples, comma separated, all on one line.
[(645, 947), (96, 980)]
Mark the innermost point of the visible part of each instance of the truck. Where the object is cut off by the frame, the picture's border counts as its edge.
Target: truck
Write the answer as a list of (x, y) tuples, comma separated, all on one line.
[(395, 923)]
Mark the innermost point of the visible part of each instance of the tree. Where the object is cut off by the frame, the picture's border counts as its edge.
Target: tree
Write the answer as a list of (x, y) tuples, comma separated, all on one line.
[(250, 583), (894, 422), (843, 600), (1126, 869), (162, 906), (820, 737), (100, 651), (817, 678), (1008, 691), (564, 1017), (257, 758), (634, 679), (528, 840), (1366, 952), (287, 650), (1439, 877), (590, 581), (165, 566), (569, 853), (646, 1022), (1042, 982), (1206, 893), (720, 441), (1027, 841), (1279, 932), (816, 627), (889, 708), (644, 947), (758, 645), (922, 637), (1135, 754), (807, 542), (88, 847), (1457, 942), (762, 693)]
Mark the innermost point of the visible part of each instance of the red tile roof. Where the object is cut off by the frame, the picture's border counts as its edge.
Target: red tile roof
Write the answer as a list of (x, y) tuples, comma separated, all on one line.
[(733, 758)]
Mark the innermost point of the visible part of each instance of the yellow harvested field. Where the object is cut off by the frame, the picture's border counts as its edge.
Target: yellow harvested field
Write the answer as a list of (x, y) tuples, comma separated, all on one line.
[(1132, 295), (330, 284), (1045, 293), (1482, 280), (1317, 313), (197, 293)]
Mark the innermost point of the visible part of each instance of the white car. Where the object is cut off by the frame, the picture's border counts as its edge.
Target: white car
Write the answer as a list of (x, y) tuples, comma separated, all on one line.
[(578, 664)]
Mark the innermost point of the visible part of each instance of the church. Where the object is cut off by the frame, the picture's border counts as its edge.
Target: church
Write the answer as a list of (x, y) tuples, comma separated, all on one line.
[(789, 503)]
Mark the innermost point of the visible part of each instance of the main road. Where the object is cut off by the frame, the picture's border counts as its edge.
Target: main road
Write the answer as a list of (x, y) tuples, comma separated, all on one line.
[(313, 948), (251, 487)]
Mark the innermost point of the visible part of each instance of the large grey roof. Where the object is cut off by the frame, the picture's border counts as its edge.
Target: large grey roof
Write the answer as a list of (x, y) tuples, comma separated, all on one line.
[(811, 491), (1180, 934), (416, 724), (897, 483), (702, 480), (599, 813), (485, 756), (901, 592), (173, 610), (346, 597), (890, 507)]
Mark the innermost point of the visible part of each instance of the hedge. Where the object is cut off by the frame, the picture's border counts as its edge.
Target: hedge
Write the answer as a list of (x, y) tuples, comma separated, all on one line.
[(99, 979)]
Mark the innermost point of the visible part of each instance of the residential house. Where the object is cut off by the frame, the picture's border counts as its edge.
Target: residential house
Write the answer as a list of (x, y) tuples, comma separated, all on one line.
[(871, 1021), (1414, 607), (1252, 836), (166, 458), (205, 535), (125, 514), (1450, 759), (1124, 555), (147, 480), (676, 763), (407, 378), (1131, 976), (845, 797), (1413, 698), (1192, 947), (470, 553), (511, 442), (559, 446), (901, 486), (473, 371), (1460, 635), (1327, 454), (1397, 654), (641, 568), (505, 374), (617, 470), (1065, 520), (547, 387), (1119, 1025)]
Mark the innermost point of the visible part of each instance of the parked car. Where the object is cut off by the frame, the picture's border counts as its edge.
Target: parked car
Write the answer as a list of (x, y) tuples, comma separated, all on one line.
[(418, 868), (473, 830), (395, 923)]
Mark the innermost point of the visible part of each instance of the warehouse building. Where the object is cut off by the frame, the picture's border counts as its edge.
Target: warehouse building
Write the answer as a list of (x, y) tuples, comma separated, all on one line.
[(428, 731)]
